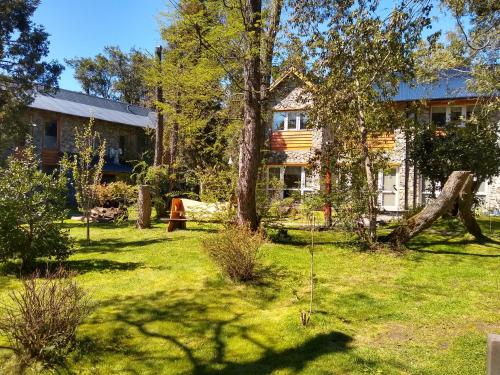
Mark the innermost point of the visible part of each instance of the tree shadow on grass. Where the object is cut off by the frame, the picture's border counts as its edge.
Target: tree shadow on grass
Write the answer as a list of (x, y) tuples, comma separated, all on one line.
[(189, 320), (115, 245), (79, 266)]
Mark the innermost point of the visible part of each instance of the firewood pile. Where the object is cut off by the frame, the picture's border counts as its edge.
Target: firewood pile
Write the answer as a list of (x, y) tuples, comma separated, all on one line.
[(105, 214)]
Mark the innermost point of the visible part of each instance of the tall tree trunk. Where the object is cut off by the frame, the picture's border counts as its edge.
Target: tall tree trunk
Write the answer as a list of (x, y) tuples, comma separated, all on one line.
[(87, 214), (252, 132), (431, 212), (158, 160), (144, 207), (465, 201), (371, 181), (327, 209)]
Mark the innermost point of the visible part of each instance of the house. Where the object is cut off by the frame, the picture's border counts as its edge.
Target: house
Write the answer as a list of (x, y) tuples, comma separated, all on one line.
[(292, 143), (55, 117)]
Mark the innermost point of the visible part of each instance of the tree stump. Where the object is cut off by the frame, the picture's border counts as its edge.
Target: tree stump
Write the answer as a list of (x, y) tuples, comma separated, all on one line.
[(144, 207)]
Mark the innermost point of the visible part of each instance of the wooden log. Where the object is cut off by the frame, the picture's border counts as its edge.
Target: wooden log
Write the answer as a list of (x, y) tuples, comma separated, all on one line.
[(431, 212), (144, 207), (465, 201)]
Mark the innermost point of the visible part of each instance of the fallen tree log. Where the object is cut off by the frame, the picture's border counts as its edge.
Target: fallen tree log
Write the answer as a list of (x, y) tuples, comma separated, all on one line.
[(457, 187), (465, 201)]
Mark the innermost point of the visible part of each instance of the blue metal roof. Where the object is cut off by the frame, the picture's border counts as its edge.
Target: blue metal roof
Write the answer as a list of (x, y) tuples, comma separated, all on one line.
[(79, 104), (448, 86)]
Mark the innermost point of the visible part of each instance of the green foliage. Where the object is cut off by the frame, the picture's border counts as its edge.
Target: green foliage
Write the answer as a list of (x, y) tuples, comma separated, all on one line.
[(41, 319), (235, 250), (32, 206), (356, 65), (217, 185), (23, 46), (437, 153), (86, 167), (113, 75), (118, 192)]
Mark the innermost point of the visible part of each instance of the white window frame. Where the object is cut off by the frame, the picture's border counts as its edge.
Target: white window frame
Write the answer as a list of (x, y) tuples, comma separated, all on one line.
[(395, 191), (448, 112), (298, 121), (303, 189)]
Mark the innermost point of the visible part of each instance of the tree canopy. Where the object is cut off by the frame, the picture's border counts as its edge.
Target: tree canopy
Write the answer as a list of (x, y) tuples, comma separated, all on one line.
[(23, 47)]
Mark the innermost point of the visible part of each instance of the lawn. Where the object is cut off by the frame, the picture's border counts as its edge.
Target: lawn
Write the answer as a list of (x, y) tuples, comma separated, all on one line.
[(163, 308)]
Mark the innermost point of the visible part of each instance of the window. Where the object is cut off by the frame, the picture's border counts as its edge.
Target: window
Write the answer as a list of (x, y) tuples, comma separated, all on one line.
[(469, 111), (50, 135), (455, 114), (122, 142), (388, 182), (290, 121), (279, 120), (293, 120), (293, 179), (483, 189), (428, 191), (438, 116), (303, 121)]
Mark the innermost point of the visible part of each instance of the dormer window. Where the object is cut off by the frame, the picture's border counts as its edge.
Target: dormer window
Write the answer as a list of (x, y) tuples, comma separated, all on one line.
[(291, 121)]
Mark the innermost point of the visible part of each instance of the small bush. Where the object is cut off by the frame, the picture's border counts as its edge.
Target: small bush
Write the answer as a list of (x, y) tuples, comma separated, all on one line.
[(41, 320), (32, 207), (236, 252), (117, 194)]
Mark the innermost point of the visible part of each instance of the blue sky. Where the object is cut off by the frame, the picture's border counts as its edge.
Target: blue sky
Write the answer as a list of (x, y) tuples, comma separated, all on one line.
[(82, 28)]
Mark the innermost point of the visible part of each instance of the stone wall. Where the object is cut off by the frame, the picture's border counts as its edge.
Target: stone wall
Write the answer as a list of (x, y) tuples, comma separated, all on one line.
[(109, 131), (288, 96)]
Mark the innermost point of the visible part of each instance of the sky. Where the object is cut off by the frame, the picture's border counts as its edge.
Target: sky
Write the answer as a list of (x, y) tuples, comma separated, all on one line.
[(82, 28)]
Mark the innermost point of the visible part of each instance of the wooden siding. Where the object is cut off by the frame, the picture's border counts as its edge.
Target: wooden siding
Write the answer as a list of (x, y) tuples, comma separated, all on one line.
[(291, 140), (50, 157), (383, 141)]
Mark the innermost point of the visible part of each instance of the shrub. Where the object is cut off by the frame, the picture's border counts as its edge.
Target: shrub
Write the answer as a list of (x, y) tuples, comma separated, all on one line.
[(32, 206), (117, 194), (41, 320), (236, 251)]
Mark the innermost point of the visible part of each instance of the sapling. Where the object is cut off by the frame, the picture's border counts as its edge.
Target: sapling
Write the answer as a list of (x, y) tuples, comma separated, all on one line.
[(305, 317)]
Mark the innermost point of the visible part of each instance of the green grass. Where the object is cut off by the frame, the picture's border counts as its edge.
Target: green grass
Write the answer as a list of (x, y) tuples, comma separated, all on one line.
[(163, 307)]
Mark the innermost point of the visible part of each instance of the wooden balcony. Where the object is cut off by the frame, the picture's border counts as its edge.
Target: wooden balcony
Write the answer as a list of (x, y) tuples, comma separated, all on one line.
[(384, 141), (291, 140)]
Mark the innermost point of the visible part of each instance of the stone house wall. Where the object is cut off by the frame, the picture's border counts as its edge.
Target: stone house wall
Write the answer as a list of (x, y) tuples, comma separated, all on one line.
[(109, 131)]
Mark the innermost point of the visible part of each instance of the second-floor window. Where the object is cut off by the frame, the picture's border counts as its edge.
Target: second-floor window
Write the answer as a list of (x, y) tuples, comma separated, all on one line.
[(441, 115), (290, 120)]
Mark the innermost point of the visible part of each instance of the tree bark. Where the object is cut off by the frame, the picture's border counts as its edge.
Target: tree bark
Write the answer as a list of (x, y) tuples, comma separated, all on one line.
[(252, 132), (431, 212), (327, 209), (465, 201), (144, 207), (158, 159), (370, 178)]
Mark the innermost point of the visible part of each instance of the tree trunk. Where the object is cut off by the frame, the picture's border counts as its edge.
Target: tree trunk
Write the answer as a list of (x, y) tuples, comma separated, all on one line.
[(87, 214), (465, 201), (251, 137), (327, 209), (370, 180), (431, 212), (158, 160), (144, 207)]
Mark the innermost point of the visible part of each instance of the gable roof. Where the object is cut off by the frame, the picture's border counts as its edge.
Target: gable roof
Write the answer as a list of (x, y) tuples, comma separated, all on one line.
[(449, 85), (289, 72), (82, 105)]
